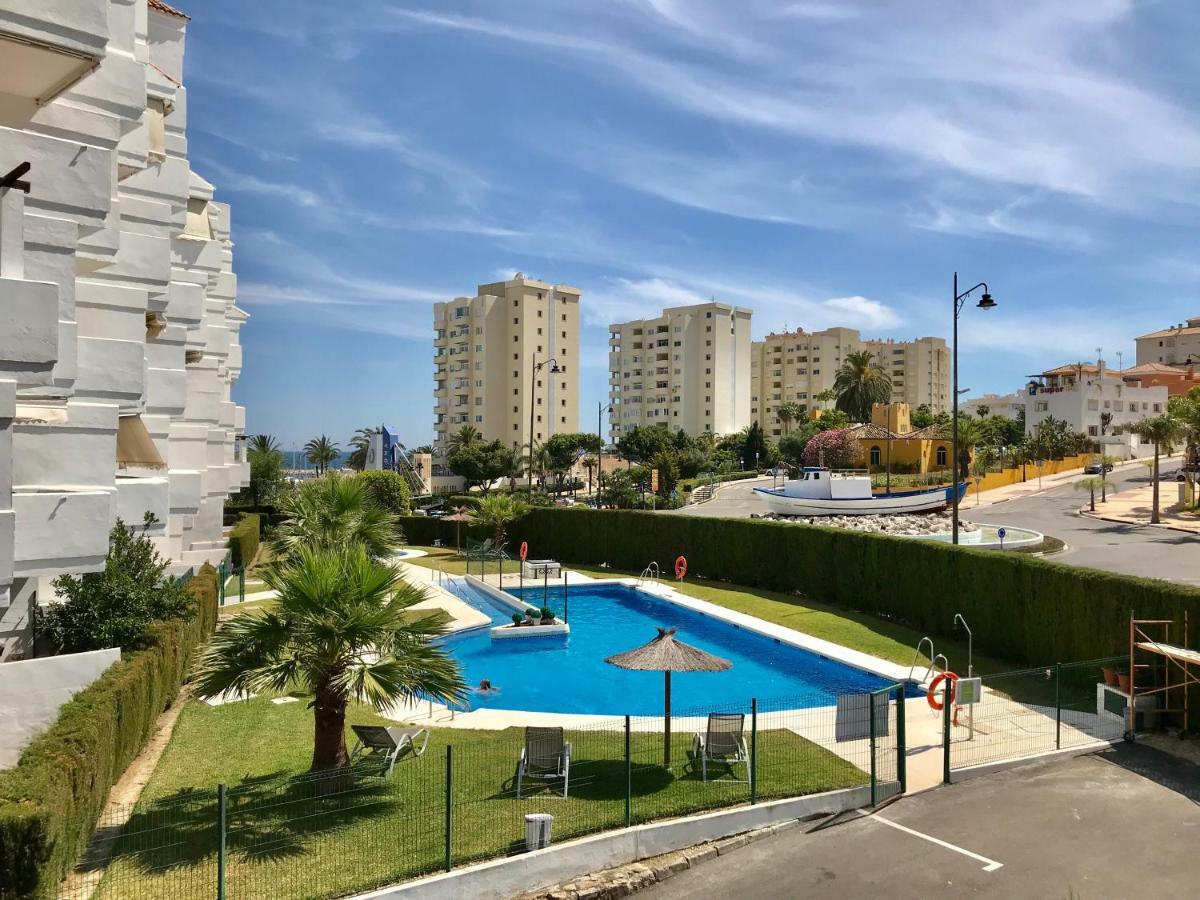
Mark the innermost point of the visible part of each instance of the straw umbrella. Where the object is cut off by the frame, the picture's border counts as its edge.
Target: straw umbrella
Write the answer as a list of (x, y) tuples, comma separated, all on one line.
[(458, 517), (665, 654)]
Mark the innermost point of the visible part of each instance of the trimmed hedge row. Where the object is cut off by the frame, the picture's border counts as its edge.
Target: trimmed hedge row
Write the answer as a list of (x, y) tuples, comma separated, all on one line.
[(243, 539), (1024, 609), (423, 530), (50, 801)]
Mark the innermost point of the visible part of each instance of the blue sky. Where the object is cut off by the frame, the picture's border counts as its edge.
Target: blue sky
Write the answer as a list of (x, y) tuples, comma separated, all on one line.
[(825, 163)]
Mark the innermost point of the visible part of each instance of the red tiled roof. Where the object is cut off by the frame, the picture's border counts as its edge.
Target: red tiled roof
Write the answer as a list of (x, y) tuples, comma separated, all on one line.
[(167, 8), (1155, 369)]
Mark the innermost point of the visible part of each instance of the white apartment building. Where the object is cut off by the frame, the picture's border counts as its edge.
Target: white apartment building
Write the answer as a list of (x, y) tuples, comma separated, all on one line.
[(1175, 345), (686, 370), (1008, 405), (486, 348), (120, 338), (1096, 401), (797, 366)]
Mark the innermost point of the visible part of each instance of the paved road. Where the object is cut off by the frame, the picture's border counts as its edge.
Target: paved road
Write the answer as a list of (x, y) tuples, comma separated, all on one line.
[(1114, 547), (1123, 823)]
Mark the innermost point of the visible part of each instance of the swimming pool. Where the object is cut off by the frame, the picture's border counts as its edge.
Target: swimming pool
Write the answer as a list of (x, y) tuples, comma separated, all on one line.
[(567, 674)]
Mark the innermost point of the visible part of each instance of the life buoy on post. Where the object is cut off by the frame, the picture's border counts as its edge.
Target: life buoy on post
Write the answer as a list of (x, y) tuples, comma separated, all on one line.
[(931, 694), (524, 550), (680, 567)]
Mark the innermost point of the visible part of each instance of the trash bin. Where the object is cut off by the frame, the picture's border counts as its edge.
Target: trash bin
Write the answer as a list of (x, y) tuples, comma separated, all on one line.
[(537, 830)]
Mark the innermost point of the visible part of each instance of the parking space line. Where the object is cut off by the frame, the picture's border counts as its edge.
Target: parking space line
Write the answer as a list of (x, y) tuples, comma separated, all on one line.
[(990, 865)]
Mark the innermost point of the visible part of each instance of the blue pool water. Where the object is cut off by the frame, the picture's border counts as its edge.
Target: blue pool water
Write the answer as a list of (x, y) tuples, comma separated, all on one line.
[(567, 674)]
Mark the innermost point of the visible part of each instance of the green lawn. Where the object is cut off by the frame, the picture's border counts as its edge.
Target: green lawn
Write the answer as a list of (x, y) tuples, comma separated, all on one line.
[(865, 633), (288, 840)]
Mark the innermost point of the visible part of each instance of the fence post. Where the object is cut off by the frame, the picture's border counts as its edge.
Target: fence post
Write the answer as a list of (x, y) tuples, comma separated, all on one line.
[(242, 585), (221, 823), (753, 749), (901, 741), (628, 778), (946, 733), (221, 576), (1058, 706), (449, 806), (566, 602), (871, 719)]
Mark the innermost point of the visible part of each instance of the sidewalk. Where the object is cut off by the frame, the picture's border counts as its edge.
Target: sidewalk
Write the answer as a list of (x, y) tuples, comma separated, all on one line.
[(1033, 486), (1134, 507)]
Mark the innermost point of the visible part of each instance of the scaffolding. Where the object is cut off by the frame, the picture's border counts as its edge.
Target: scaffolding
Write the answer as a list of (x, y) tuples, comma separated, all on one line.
[(1158, 649)]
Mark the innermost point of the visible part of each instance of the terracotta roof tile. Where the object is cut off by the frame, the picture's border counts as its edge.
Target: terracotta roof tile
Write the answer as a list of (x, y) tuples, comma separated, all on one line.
[(167, 8)]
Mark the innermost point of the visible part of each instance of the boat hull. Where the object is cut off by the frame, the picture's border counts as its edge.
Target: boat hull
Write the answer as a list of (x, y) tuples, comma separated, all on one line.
[(880, 504)]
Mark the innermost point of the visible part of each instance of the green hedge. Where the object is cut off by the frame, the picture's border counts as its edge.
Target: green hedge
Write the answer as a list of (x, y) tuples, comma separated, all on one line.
[(423, 530), (50, 801), (243, 539), (1020, 608)]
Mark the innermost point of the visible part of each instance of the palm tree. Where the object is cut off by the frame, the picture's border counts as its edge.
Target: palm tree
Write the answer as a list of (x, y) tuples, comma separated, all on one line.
[(361, 442), (262, 443), (826, 396), (537, 457), (788, 413), (1106, 462), (335, 511), (468, 434), (321, 452), (1090, 485), (969, 436), (1161, 431), (861, 382), (590, 463), (497, 511), (339, 631)]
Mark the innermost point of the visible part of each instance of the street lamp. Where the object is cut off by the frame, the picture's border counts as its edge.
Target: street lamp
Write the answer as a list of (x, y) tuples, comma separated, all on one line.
[(537, 367), (985, 302), (601, 409)]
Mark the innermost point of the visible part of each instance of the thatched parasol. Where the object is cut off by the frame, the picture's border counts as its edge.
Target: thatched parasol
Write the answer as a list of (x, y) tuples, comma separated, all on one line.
[(665, 654), (459, 516)]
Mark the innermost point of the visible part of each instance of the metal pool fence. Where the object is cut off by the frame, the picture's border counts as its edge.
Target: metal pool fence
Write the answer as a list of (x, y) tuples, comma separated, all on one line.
[(1032, 711), (462, 800)]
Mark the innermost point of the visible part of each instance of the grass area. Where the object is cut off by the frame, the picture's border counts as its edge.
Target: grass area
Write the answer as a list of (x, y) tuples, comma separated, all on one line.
[(858, 631), (253, 585), (288, 838)]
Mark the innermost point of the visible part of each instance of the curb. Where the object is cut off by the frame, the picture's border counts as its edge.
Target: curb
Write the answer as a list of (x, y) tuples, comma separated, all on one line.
[(1087, 514)]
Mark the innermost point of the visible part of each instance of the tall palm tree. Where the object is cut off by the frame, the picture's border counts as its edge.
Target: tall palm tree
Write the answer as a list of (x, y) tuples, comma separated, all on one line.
[(321, 452), (590, 463), (340, 631), (468, 434), (335, 511), (498, 511), (970, 434), (789, 412), (361, 444), (262, 443), (1162, 431), (537, 457), (860, 383), (1090, 484)]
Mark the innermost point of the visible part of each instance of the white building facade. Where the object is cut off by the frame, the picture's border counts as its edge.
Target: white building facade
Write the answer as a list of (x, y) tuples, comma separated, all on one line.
[(119, 347), (687, 370)]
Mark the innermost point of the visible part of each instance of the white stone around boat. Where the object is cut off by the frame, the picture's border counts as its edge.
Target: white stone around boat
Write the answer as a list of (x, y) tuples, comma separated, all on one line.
[(910, 524)]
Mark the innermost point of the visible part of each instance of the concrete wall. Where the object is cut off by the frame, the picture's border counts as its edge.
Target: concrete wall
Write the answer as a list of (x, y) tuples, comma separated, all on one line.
[(32, 690)]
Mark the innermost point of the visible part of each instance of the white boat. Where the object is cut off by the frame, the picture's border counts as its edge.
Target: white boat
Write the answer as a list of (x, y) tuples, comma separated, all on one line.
[(823, 492)]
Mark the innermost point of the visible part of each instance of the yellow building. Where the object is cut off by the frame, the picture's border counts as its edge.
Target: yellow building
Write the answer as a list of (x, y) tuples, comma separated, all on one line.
[(890, 441)]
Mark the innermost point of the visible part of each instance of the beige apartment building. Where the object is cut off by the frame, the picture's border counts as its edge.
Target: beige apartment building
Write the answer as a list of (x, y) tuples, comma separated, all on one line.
[(1175, 345), (485, 350), (798, 366), (686, 370)]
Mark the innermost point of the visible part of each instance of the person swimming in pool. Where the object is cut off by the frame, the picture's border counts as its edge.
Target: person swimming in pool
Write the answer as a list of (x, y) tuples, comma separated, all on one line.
[(486, 687)]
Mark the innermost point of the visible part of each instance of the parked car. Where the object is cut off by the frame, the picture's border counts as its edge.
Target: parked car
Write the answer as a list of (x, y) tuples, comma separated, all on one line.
[(776, 473), (1097, 469)]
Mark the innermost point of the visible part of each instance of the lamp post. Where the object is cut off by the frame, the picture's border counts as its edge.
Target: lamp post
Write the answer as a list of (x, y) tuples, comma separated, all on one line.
[(985, 302), (600, 411), (536, 367)]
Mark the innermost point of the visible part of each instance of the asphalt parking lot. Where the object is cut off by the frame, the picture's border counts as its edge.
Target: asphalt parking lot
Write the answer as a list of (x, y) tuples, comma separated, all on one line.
[(1122, 823)]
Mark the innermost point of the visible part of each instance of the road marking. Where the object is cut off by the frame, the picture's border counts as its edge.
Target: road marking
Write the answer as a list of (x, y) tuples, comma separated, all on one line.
[(990, 865)]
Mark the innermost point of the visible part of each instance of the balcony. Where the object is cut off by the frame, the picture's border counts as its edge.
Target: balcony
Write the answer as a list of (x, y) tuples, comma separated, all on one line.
[(60, 530), (48, 45)]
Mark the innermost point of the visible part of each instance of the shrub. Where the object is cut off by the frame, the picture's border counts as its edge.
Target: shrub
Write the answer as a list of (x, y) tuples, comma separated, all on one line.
[(50, 801), (243, 539), (387, 490), (113, 608), (835, 449)]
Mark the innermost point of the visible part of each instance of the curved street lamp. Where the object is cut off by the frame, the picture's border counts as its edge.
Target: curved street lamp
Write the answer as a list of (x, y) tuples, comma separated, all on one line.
[(537, 367), (985, 302)]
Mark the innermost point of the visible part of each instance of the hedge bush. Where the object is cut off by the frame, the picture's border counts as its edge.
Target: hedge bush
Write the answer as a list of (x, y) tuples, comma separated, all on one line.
[(1024, 609), (423, 530), (50, 801), (243, 539), (388, 490)]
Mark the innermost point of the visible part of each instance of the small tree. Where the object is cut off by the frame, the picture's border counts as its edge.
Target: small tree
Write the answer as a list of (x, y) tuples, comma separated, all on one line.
[(835, 449), (388, 490), (498, 511), (1091, 485), (113, 608)]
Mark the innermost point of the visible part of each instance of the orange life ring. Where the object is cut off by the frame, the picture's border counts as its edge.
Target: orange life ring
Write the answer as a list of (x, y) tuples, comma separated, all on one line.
[(680, 567), (931, 694), (524, 550)]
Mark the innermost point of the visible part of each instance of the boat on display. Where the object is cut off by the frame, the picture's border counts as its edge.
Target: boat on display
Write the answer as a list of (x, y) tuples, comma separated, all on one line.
[(823, 492)]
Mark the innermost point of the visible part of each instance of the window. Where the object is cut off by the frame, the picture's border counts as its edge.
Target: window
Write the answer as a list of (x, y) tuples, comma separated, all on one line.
[(514, 392), (1093, 430), (479, 420), (515, 339), (479, 348), (479, 329), (1158, 407), (539, 311), (514, 426), (515, 356), (941, 456), (515, 409), (516, 321), (539, 331), (875, 456)]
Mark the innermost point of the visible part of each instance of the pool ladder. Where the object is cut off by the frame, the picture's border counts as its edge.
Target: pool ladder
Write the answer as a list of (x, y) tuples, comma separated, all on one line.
[(650, 573), (934, 656)]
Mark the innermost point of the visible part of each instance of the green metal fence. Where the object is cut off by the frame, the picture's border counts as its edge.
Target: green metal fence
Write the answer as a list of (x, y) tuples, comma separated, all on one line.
[(1032, 711), (462, 800)]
